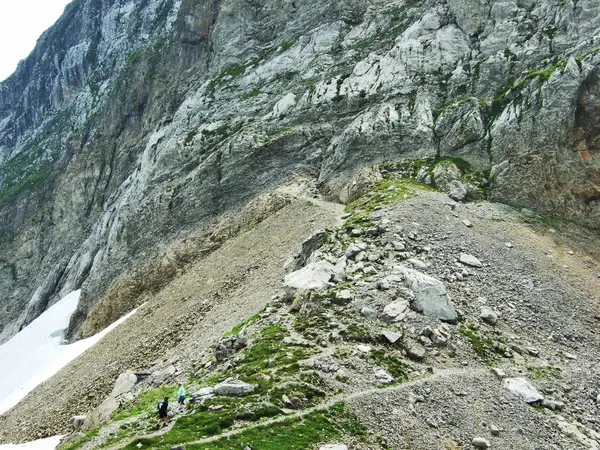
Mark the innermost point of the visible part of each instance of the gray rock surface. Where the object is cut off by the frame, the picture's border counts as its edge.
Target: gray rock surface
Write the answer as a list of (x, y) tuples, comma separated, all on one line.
[(488, 315), (395, 311), (469, 260), (431, 297), (235, 389), (315, 276), (480, 442), (107, 142), (457, 191), (522, 388)]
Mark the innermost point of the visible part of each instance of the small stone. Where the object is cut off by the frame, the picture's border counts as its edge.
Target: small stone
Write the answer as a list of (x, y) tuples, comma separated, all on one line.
[(488, 315), (533, 351), (369, 313), (517, 349), (333, 447), (391, 336), (364, 348), (553, 405), (467, 223), (417, 263), (440, 336), (395, 311), (370, 270), (203, 392), (469, 260), (425, 341), (414, 351), (343, 297), (383, 376), (355, 249), (518, 359), (398, 246), (494, 430), (480, 442), (501, 374), (570, 356), (139, 445), (508, 245), (383, 285), (178, 447)]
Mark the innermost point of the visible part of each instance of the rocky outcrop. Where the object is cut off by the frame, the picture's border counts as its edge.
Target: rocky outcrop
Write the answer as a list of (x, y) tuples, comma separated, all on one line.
[(134, 124)]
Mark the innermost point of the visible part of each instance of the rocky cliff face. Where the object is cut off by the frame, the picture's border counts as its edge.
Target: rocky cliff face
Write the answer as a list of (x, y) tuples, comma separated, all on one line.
[(134, 125)]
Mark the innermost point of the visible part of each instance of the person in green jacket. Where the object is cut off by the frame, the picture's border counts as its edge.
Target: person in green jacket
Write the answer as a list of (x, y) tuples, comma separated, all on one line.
[(181, 395)]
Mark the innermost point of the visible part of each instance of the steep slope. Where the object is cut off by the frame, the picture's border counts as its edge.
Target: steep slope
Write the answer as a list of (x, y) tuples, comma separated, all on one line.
[(136, 124), (191, 312), (434, 311)]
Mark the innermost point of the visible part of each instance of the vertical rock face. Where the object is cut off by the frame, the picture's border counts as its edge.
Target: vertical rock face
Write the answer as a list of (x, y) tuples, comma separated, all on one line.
[(133, 124)]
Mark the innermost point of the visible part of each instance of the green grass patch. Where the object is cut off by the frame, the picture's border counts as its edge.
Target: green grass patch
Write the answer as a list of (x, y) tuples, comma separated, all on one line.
[(77, 443), (487, 347), (545, 221), (461, 164), (213, 417), (146, 402), (243, 325), (294, 434), (393, 364), (221, 131), (357, 332), (253, 93), (269, 359), (387, 192), (544, 372)]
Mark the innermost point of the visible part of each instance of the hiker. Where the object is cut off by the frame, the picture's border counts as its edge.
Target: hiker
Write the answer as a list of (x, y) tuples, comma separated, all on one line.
[(163, 412), (181, 395)]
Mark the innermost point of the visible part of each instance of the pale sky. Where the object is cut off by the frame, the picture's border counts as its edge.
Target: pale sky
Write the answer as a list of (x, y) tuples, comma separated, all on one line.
[(21, 23)]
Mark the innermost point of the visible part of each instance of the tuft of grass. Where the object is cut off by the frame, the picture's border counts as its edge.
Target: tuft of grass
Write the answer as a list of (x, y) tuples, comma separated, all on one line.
[(243, 325), (544, 372), (77, 443), (545, 221), (253, 93), (393, 364), (145, 402), (358, 333), (461, 164), (387, 192), (485, 346)]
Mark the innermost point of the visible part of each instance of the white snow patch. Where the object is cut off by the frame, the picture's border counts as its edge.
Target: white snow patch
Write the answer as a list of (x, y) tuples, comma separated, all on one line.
[(42, 444), (36, 354)]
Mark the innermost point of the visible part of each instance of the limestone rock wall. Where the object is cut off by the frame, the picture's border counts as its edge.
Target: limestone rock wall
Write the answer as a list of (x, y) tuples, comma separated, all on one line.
[(134, 124)]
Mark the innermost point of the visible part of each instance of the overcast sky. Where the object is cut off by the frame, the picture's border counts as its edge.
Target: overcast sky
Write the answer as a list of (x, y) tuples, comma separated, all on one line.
[(21, 23)]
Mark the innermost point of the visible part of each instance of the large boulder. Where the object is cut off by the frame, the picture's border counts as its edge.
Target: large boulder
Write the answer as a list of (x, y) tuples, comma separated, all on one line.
[(315, 276), (431, 298), (444, 174), (234, 388)]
